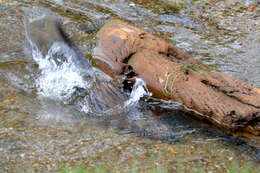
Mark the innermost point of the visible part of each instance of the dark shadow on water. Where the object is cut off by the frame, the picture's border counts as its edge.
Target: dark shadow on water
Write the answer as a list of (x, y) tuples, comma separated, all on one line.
[(173, 127)]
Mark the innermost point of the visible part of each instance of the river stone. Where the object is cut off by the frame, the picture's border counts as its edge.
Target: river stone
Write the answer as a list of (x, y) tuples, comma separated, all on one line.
[(170, 73)]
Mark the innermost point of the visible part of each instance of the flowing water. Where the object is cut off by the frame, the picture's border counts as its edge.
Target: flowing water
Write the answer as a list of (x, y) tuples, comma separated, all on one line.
[(56, 110)]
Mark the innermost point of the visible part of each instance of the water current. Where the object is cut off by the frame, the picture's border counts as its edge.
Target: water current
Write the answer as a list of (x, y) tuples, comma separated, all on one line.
[(56, 109)]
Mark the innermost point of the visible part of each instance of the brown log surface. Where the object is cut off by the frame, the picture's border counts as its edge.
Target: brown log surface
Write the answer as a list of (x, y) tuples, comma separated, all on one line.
[(170, 73)]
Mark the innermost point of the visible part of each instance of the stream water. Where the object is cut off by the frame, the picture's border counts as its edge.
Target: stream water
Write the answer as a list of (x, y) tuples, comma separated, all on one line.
[(53, 111)]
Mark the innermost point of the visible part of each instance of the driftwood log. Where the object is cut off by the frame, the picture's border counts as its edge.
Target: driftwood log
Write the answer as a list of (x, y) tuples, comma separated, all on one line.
[(170, 73)]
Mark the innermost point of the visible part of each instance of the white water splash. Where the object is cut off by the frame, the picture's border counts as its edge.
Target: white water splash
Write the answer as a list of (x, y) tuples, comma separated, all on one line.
[(59, 76), (139, 90)]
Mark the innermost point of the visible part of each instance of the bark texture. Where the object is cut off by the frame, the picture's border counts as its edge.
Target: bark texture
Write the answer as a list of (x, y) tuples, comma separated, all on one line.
[(170, 73)]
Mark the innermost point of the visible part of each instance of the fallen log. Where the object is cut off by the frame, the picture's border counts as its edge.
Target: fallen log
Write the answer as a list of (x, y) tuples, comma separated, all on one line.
[(170, 73)]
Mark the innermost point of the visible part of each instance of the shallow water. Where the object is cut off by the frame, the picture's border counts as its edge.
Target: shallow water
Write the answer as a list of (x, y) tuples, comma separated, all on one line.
[(44, 135)]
